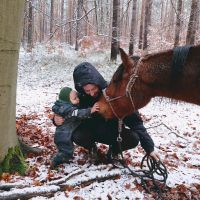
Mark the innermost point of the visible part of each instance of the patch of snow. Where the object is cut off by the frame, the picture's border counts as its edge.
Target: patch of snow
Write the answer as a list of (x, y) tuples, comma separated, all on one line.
[(174, 127)]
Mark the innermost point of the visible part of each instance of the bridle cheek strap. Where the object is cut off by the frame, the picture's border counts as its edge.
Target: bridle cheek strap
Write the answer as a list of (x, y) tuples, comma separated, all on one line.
[(129, 87)]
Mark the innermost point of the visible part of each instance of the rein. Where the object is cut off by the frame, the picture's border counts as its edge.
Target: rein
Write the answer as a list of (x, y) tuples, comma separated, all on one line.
[(154, 167)]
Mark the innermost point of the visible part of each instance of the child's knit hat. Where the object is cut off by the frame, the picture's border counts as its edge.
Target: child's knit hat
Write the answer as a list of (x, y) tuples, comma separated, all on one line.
[(64, 94)]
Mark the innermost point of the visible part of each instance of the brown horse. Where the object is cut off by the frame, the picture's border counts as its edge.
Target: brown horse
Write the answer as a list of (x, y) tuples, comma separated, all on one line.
[(137, 80)]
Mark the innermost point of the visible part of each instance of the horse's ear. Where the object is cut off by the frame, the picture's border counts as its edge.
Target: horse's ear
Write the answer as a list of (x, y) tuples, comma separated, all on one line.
[(126, 60)]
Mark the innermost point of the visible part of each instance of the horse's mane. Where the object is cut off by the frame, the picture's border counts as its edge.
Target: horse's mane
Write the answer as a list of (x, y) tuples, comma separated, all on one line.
[(155, 54), (179, 59), (118, 75)]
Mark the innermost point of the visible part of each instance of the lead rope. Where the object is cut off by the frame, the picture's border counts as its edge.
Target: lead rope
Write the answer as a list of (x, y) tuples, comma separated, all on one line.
[(154, 168)]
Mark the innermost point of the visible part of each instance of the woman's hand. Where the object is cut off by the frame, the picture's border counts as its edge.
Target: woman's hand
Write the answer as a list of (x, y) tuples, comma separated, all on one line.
[(58, 120), (155, 155)]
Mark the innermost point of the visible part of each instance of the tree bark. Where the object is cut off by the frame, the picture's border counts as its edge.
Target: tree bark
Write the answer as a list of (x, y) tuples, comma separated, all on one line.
[(51, 18), (133, 28), (115, 30), (30, 26), (70, 17), (61, 20), (141, 25), (191, 32), (24, 35), (178, 23), (11, 15), (78, 23), (170, 19), (96, 17), (42, 20), (147, 22)]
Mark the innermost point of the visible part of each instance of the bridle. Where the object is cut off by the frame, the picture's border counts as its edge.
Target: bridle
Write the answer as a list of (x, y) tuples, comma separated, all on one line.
[(155, 167), (129, 86)]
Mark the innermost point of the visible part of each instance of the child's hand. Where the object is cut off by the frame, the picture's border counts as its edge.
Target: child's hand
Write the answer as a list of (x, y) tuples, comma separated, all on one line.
[(95, 108), (58, 120)]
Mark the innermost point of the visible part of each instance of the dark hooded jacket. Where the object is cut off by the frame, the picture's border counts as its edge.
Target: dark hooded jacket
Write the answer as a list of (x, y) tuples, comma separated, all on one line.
[(84, 74)]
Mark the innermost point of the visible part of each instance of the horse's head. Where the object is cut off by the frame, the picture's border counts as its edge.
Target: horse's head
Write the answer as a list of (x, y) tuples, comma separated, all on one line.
[(115, 94)]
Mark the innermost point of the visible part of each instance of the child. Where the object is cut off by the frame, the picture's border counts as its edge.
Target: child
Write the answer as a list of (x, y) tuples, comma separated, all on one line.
[(67, 107)]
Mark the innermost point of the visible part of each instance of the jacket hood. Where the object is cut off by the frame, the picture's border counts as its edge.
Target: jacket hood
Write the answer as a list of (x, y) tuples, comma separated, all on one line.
[(85, 73)]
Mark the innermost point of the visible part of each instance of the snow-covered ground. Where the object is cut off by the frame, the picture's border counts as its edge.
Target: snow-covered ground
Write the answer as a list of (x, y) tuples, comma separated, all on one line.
[(174, 127)]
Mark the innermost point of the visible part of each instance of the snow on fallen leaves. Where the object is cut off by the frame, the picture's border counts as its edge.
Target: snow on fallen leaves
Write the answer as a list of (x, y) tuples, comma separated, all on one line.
[(36, 129), (30, 132)]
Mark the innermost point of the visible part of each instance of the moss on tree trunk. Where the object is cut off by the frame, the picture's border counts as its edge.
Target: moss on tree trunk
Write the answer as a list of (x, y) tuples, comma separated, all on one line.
[(14, 161)]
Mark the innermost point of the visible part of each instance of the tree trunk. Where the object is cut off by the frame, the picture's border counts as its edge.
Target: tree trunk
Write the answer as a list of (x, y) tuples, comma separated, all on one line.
[(141, 25), (70, 17), (178, 23), (96, 17), (147, 22), (78, 23), (11, 15), (61, 20), (46, 32), (51, 18), (24, 34), (115, 30), (191, 32), (133, 28), (30, 27), (42, 21), (170, 27), (86, 21)]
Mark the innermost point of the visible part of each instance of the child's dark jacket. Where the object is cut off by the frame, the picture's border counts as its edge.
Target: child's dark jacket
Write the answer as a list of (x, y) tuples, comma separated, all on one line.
[(73, 117)]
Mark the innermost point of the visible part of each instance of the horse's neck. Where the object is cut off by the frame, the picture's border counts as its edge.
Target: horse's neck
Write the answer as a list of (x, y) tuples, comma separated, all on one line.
[(157, 75)]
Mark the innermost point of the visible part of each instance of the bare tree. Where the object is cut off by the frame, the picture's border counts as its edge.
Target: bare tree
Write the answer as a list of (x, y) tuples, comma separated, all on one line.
[(78, 23), (51, 18), (133, 28), (170, 20), (30, 26), (192, 25), (25, 24), (141, 25), (61, 19), (70, 16), (96, 17), (41, 20), (178, 23), (147, 22), (115, 30)]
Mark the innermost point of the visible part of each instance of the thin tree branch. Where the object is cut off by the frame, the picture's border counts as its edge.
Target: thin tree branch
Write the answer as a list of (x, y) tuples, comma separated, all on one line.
[(64, 24), (162, 124)]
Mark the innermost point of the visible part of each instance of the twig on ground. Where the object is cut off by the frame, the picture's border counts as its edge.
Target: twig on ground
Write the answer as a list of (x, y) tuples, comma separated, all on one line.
[(27, 193), (171, 131), (90, 180)]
